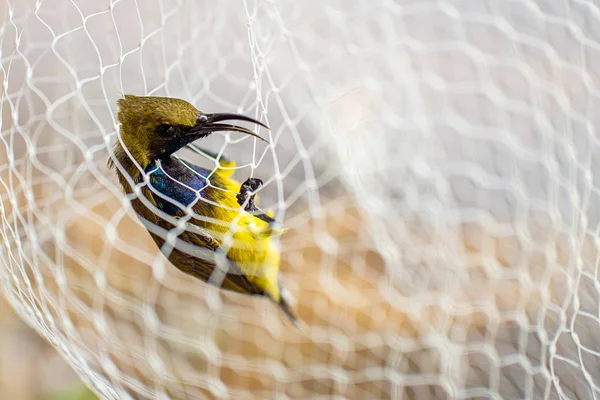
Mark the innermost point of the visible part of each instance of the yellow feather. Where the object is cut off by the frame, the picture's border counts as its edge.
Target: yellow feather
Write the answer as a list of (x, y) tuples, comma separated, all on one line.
[(253, 250)]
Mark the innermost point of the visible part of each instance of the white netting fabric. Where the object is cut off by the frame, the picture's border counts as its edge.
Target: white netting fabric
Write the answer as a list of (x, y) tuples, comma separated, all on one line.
[(433, 160)]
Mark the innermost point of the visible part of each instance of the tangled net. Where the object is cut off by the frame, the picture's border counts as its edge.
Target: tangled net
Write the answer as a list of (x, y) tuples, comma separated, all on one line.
[(433, 162)]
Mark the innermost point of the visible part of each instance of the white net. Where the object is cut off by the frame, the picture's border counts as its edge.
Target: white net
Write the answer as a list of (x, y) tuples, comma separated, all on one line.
[(433, 161)]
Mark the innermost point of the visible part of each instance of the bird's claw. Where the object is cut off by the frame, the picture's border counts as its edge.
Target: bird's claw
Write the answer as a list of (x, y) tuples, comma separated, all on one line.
[(245, 199), (246, 195)]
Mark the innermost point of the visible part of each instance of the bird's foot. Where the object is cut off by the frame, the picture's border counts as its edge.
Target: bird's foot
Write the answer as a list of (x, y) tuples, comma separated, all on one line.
[(245, 199)]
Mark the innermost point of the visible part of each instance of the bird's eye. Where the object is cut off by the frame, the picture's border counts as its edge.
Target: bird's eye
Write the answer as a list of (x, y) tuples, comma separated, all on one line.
[(202, 119), (166, 131)]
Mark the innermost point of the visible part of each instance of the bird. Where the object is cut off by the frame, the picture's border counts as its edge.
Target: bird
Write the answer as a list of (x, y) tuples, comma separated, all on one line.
[(222, 237)]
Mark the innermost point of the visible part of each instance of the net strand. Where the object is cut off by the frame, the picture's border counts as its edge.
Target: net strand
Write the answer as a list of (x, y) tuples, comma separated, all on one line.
[(432, 162)]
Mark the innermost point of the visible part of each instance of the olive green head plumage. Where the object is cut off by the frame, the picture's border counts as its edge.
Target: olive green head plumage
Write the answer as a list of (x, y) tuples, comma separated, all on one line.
[(149, 112), (156, 127)]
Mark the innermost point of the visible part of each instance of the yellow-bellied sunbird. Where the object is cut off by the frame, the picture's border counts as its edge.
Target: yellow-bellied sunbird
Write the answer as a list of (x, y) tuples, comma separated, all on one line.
[(217, 213)]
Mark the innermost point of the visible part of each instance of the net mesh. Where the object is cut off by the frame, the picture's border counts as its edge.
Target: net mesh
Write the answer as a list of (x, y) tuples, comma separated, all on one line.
[(433, 162)]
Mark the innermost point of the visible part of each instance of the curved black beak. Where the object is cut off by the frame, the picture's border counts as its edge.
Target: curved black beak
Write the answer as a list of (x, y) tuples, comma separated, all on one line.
[(209, 123)]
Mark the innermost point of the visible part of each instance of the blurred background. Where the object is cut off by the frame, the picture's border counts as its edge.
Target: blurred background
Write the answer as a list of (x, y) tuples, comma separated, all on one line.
[(31, 368), (433, 161)]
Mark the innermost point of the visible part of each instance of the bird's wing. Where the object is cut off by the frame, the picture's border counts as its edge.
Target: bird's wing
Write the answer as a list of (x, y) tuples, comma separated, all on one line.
[(204, 255), (216, 269), (199, 236), (201, 252)]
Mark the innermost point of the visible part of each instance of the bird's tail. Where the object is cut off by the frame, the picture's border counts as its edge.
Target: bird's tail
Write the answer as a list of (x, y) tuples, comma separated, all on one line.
[(287, 308)]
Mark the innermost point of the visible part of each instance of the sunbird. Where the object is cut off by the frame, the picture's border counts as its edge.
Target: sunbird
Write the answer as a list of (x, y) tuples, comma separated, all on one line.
[(222, 237)]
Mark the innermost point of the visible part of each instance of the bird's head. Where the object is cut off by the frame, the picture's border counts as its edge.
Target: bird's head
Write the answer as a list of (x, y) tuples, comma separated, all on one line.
[(156, 127)]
